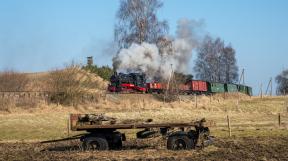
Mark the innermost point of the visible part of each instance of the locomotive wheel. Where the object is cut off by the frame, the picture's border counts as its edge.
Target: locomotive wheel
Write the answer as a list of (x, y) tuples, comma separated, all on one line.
[(95, 143), (179, 142)]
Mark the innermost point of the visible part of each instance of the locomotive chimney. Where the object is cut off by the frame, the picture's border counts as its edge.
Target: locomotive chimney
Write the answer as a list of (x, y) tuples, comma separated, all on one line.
[(89, 60)]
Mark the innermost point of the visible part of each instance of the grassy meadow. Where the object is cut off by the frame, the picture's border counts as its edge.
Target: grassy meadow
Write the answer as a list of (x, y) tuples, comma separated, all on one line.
[(249, 116)]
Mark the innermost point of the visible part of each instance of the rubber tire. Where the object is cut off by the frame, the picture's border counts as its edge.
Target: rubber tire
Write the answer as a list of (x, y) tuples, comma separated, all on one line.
[(172, 142), (102, 143), (194, 137), (116, 145)]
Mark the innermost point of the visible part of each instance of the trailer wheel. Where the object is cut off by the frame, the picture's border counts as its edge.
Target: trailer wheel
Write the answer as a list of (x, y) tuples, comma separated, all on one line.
[(179, 142), (118, 145), (115, 143), (95, 143)]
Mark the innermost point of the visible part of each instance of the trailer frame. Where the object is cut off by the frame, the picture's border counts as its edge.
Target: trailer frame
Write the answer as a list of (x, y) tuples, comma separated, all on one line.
[(106, 136)]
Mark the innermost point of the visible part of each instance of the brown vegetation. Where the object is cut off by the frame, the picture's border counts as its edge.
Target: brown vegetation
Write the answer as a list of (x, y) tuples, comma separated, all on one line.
[(13, 81), (71, 84), (255, 132)]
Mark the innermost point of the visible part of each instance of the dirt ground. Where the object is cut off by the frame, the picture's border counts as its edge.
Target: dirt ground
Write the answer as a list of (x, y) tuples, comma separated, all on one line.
[(256, 134), (244, 148)]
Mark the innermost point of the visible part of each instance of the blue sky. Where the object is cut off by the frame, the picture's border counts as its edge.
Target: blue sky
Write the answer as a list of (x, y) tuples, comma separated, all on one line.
[(40, 35)]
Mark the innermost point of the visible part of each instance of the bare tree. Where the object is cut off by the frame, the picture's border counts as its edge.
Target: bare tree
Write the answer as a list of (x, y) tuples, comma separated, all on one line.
[(207, 65), (228, 63), (215, 62), (137, 22), (282, 81)]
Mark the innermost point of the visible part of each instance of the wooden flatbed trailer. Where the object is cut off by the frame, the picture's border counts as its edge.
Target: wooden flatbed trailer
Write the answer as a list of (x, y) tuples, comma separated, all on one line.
[(105, 136)]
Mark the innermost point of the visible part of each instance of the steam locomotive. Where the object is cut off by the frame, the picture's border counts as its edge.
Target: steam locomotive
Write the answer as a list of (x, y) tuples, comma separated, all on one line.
[(136, 83)]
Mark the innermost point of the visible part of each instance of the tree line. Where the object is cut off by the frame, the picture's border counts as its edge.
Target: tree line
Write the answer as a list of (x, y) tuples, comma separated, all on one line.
[(215, 62), (138, 22)]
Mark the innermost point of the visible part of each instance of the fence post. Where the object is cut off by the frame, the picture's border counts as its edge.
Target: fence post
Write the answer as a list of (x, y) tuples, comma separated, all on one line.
[(279, 119), (286, 106), (195, 97), (68, 125), (210, 98), (229, 125)]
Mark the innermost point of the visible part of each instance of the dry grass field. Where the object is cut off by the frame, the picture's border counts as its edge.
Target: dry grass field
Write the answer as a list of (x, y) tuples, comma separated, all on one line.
[(256, 134)]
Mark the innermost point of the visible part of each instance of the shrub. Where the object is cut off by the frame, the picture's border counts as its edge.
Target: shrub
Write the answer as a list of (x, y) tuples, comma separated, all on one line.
[(13, 81), (70, 85), (104, 72), (6, 104)]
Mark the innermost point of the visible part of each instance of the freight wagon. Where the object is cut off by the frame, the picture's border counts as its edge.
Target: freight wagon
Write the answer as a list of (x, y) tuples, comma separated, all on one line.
[(197, 87), (241, 88), (216, 87), (156, 87), (231, 88), (249, 91)]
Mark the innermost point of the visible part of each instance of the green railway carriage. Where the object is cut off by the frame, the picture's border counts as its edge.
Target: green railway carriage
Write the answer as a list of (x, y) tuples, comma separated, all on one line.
[(231, 88), (245, 89), (241, 88), (216, 87), (249, 91)]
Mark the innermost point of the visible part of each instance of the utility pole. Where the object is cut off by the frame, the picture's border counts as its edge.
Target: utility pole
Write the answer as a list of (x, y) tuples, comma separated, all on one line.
[(261, 92), (172, 87), (168, 84), (269, 85), (242, 77)]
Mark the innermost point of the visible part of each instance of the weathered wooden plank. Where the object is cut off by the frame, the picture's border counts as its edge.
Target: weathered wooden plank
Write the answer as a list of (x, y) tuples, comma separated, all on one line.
[(132, 126)]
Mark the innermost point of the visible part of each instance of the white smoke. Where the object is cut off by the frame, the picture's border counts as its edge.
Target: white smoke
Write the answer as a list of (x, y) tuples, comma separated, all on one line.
[(155, 60), (144, 58)]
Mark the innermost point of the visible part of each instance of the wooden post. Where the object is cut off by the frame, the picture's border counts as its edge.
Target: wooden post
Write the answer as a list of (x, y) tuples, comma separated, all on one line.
[(68, 125), (229, 125), (271, 87), (210, 98), (195, 98), (261, 92), (238, 98), (279, 119)]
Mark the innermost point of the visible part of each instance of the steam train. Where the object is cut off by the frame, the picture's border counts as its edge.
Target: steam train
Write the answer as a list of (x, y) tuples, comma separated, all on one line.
[(136, 83)]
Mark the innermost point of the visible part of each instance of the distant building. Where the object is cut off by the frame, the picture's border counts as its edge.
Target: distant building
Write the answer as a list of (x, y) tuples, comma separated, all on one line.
[(90, 60)]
